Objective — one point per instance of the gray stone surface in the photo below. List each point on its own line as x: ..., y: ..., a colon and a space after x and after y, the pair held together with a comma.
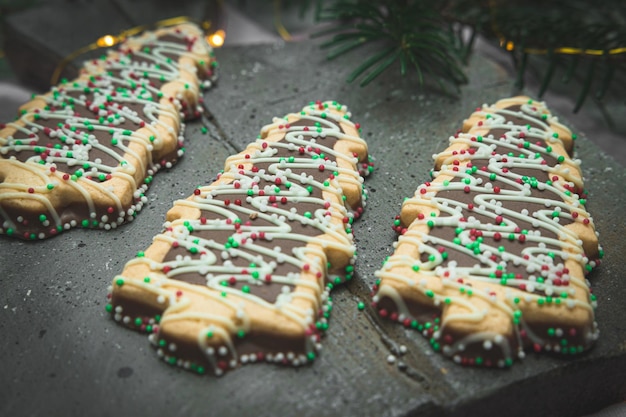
x: 63, y: 355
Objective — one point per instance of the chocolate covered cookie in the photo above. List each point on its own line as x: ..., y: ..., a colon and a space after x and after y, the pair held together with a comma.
x: 83, y: 154
x: 243, y: 268
x: 494, y: 251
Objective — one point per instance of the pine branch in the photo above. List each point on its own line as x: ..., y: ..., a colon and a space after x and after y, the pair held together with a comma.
x: 402, y: 32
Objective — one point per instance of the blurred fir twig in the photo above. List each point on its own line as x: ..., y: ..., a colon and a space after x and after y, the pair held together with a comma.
x: 412, y: 35
x: 585, y: 40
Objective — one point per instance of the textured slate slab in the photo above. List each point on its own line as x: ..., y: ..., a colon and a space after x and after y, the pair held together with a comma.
x: 62, y: 354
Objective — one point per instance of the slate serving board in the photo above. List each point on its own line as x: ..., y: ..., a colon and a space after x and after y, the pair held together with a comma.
x: 63, y: 355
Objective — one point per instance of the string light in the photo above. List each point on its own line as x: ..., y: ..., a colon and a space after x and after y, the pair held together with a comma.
x: 510, y: 46
x: 278, y: 24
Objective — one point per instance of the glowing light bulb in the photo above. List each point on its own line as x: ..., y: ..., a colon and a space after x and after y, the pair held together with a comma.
x: 106, y: 41
x: 217, y: 39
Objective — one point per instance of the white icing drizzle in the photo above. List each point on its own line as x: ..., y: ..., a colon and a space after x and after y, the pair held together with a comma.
x: 105, y: 91
x: 467, y: 295
x: 229, y: 243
